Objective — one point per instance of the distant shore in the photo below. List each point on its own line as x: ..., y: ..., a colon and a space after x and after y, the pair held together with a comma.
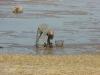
x: 50, y: 65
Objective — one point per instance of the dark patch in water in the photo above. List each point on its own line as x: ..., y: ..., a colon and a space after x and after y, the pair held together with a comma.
x: 1, y: 47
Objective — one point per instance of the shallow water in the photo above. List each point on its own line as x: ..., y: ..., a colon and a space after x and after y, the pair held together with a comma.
x: 74, y: 21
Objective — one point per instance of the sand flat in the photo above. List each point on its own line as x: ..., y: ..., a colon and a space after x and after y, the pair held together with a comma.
x: 50, y: 65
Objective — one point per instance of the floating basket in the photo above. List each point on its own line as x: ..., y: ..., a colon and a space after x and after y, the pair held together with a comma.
x: 59, y: 43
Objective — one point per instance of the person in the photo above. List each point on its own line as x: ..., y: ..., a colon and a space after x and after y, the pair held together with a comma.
x: 47, y: 31
x: 18, y: 9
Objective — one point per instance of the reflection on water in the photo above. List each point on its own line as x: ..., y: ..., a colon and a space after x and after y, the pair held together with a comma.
x: 76, y: 22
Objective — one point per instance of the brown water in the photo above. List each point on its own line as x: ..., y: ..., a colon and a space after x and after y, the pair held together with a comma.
x: 74, y: 21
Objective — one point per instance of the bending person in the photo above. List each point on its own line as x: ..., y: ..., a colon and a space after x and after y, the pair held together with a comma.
x: 46, y: 31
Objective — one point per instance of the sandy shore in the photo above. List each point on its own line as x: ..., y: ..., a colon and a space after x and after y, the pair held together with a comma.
x: 50, y: 65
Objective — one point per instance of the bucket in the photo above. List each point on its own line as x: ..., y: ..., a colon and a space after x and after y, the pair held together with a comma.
x: 59, y: 43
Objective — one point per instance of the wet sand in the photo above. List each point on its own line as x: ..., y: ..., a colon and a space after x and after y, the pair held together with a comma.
x: 50, y: 65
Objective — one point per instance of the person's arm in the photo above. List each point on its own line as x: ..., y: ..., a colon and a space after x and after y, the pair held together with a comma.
x: 38, y: 35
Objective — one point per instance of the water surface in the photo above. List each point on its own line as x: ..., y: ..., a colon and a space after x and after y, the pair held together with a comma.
x: 74, y: 21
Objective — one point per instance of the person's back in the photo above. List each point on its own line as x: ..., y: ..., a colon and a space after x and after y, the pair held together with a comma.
x: 46, y: 31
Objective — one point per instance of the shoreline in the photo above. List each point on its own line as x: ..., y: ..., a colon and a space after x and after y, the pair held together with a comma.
x: 85, y: 64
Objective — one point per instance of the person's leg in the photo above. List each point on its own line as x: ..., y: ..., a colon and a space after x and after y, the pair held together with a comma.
x: 48, y: 41
x: 50, y: 37
x: 38, y: 35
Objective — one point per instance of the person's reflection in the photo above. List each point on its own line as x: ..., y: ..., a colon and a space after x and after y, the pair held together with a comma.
x: 48, y: 52
x: 45, y: 51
